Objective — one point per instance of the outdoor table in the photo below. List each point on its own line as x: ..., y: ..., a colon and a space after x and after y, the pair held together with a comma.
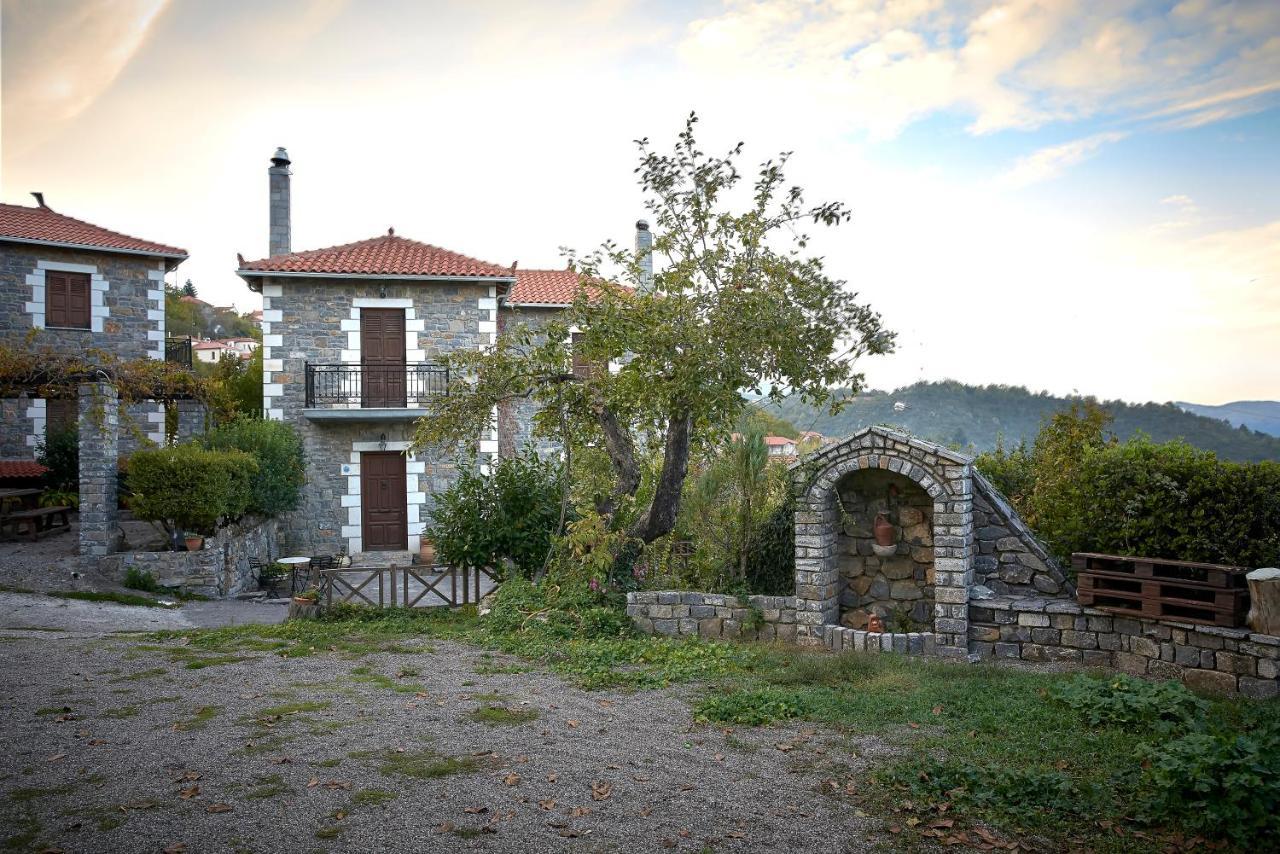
x: 18, y: 496
x: 294, y: 564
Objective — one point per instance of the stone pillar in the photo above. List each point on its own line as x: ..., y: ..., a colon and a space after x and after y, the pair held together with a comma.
x: 99, y: 454
x: 191, y: 419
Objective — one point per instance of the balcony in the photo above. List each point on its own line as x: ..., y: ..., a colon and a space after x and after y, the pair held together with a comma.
x: 178, y: 351
x: 347, y: 392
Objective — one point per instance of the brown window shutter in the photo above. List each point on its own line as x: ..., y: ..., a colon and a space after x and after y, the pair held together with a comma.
x: 581, y: 367
x: 66, y: 299
x: 60, y: 414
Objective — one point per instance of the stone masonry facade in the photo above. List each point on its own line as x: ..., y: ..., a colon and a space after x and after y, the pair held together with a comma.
x: 945, y: 476
x: 127, y: 319
x: 317, y: 321
x: 221, y: 568
x: 1008, y: 559
x: 713, y: 615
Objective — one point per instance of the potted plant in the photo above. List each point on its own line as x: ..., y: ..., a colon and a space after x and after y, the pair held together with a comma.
x: 305, y: 605
x: 427, y: 555
x: 195, y: 542
x: 310, y: 596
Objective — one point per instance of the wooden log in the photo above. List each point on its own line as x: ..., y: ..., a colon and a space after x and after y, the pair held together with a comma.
x: 1264, y: 595
x: 304, y: 610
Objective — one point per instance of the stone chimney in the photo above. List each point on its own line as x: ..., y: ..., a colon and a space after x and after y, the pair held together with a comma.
x: 278, y: 242
x: 644, y: 254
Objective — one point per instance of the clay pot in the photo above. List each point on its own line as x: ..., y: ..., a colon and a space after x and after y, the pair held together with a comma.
x: 885, y: 533
x: 875, y: 624
x: 195, y: 543
x: 427, y: 553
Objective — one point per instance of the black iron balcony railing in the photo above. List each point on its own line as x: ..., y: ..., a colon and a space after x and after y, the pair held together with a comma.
x: 375, y: 386
x: 178, y: 351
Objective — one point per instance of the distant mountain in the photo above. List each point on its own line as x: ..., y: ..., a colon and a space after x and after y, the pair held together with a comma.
x: 971, y: 417
x: 1260, y: 415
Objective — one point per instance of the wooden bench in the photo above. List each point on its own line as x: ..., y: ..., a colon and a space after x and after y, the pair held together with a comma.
x: 37, y: 522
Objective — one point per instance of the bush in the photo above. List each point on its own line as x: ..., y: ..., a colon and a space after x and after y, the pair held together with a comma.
x: 1127, y: 701
x: 562, y: 610
x: 510, y: 515
x: 1080, y: 490
x: 189, y: 488
x: 140, y: 579
x: 60, y: 453
x: 771, y: 566
x: 278, y: 450
x: 755, y: 707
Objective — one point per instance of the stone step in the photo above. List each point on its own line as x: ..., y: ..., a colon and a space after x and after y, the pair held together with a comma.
x: 398, y: 558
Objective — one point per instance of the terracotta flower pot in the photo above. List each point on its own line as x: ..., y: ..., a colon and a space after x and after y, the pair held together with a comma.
x: 427, y: 553
x: 195, y: 543
x: 875, y: 624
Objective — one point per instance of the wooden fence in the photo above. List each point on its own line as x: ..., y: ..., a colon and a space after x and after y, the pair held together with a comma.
x: 405, y: 587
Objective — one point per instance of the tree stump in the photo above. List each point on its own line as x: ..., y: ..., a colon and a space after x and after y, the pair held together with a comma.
x: 304, y: 609
x: 1264, y: 599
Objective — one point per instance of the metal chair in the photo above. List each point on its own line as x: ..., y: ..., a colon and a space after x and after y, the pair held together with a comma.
x: 266, y: 577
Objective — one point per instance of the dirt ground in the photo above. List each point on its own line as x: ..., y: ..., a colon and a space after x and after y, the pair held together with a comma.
x: 119, y: 743
x: 52, y: 563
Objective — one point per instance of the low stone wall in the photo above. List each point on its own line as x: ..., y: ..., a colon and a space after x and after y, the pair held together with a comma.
x: 713, y: 615
x: 221, y: 568
x: 1216, y: 659
x: 842, y: 639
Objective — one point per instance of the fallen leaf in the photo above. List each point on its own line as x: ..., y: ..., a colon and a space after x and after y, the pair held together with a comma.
x: 313, y: 782
x: 937, y: 710
x: 476, y: 810
x: 175, y: 848
x: 95, y: 742
x: 215, y: 808
x: 337, y: 784
x: 511, y: 779
x: 283, y: 760
x: 640, y: 778
x: 893, y: 828
x: 138, y: 805
x: 600, y: 790
x: 548, y: 804
x: 571, y: 724
x: 645, y: 812
x: 913, y: 725
x: 446, y: 827
x: 55, y: 757
x: 339, y: 815
x: 719, y: 757
x: 552, y: 777
x: 189, y: 793
x: 687, y: 787
x: 579, y: 812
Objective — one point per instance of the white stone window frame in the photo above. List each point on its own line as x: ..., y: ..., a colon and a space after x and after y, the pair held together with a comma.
x: 98, y: 288
x: 413, y: 351
x: 415, y: 497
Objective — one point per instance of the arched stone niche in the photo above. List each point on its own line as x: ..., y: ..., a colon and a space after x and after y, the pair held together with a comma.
x: 857, y: 466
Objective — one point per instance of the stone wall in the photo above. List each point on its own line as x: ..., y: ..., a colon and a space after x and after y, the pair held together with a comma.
x: 1224, y: 660
x: 221, y: 568
x: 713, y: 615
x: 895, y: 582
x: 515, y: 419
x: 128, y: 321
x: 1008, y: 559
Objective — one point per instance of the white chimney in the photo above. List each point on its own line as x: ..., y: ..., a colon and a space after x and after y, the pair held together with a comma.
x: 644, y: 254
x: 278, y: 237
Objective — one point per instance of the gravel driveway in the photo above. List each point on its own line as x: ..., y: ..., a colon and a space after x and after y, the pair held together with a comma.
x: 121, y: 744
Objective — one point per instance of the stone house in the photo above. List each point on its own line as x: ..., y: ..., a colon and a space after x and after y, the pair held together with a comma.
x: 352, y: 341
x: 71, y: 286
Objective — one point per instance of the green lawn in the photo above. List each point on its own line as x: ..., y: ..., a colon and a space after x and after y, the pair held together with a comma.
x: 1098, y: 762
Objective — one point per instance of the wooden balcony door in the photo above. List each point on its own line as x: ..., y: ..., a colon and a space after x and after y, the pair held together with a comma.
x: 384, y: 501
x: 382, y: 357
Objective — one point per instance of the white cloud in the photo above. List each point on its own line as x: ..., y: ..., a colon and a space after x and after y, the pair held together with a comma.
x: 1050, y: 162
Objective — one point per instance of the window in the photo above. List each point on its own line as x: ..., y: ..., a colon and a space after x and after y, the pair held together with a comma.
x: 581, y: 367
x: 66, y: 299
x: 61, y: 414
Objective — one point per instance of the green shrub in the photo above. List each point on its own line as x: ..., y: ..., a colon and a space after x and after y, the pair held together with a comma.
x: 60, y: 453
x: 1081, y: 490
x: 278, y: 450
x: 754, y: 707
x: 1126, y: 701
x: 509, y: 515
x: 771, y: 566
x: 562, y: 610
x: 1003, y: 790
x: 189, y: 488
x: 1220, y: 782
x: 140, y: 579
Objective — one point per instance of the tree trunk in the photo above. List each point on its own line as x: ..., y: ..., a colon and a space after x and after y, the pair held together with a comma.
x: 660, y: 518
x: 1264, y: 598
x: 622, y: 455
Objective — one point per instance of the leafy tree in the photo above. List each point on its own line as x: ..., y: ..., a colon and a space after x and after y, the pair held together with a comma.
x: 277, y: 448
x: 235, y: 386
x: 737, y: 305
x: 181, y: 318
x: 188, y: 289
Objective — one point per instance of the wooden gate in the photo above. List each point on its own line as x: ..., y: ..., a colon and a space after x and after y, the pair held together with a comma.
x: 405, y: 587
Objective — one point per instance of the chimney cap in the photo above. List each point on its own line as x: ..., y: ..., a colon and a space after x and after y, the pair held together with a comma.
x: 642, y: 225
x: 281, y: 157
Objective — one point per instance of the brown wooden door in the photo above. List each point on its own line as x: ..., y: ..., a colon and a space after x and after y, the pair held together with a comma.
x: 382, y: 356
x: 384, y: 501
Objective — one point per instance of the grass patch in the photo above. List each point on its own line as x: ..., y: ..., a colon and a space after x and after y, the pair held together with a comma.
x: 419, y: 764
x: 373, y: 797
x: 111, y: 596
x: 503, y: 716
x: 199, y: 720
x: 368, y: 676
x: 120, y: 712
x: 293, y: 708
x: 334, y: 762
x: 333, y: 831
x: 29, y: 794
x: 485, y: 669
x: 268, y: 786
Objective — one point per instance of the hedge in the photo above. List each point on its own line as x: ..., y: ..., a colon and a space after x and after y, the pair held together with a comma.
x: 278, y: 450
x: 189, y: 488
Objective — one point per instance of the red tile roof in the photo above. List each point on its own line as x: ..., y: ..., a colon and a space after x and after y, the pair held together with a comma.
x: 42, y: 225
x: 387, y: 255
x: 547, y: 287
x: 21, y: 468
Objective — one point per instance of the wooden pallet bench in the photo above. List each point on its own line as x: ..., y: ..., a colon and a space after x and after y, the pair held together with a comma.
x: 1192, y: 592
x: 38, y: 521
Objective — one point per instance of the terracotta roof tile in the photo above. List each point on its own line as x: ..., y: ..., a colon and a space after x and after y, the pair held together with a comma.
x: 43, y: 225
x: 547, y: 287
x: 388, y: 255
x: 21, y: 468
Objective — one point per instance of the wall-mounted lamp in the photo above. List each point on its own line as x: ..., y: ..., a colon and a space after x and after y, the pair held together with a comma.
x: 382, y: 291
x: 382, y: 442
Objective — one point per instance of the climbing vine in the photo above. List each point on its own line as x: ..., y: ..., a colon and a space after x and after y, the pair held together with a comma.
x: 44, y: 373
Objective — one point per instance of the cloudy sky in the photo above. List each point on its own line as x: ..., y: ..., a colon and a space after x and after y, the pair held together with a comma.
x: 1065, y: 195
